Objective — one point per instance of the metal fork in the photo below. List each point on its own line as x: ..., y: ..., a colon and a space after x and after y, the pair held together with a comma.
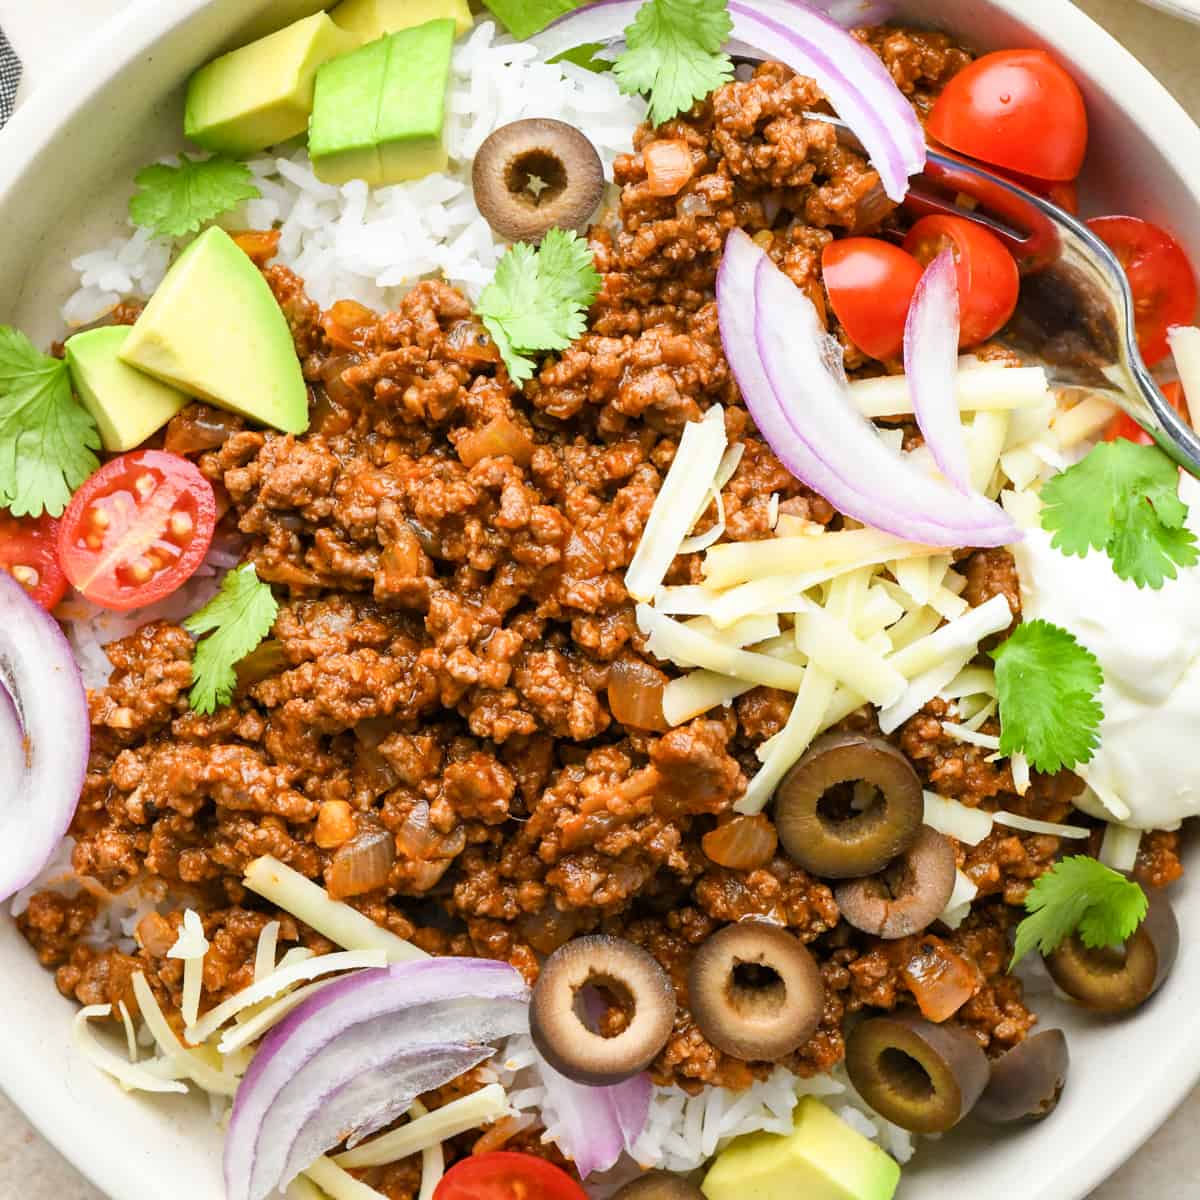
x: 1075, y: 311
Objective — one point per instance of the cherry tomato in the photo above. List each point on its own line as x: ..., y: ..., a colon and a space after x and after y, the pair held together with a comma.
x: 871, y: 285
x: 505, y: 1175
x: 1163, y: 283
x: 29, y: 553
x: 1017, y: 109
x: 1124, y: 427
x: 988, y: 282
x: 1063, y: 192
x: 137, y: 529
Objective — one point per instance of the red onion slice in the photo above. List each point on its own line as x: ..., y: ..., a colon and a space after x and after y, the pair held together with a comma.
x: 47, y: 730
x: 931, y: 364
x: 353, y: 1025
x: 855, y: 81
x: 790, y: 375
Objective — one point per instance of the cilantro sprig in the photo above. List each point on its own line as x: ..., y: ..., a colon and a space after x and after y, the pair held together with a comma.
x: 1122, y: 499
x: 1047, y: 683
x: 173, y: 201
x: 237, y: 618
x: 46, y: 436
x: 1079, y: 895
x: 674, y: 54
x: 538, y: 299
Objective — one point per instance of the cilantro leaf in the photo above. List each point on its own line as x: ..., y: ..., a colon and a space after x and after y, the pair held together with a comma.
x: 1122, y: 499
x: 46, y: 436
x: 1079, y: 895
x: 239, y: 616
x: 1047, y: 683
x: 586, y: 56
x: 538, y: 299
x: 674, y: 54
x: 174, y: 201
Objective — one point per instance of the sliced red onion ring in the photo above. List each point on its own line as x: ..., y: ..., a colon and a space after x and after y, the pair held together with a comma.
x: 594, y: 1126
x: 46, y: 730
x: 790, y: 375
x: 348, y: 1028
x: 931, y: 364
x: 855, y: 81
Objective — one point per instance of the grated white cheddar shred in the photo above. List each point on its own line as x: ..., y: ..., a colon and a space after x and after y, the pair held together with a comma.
x: 1082, y: 422
x: 826, y: 641
x: 922, y: 689
x: 433, y: 1158
x: 681, y: 500
x: 974, y: 681
x: 958, y: 637
x: 132, y: 1076
x: 191, y: 946
x: 338, y: 1184
x: 972, y: 737
x: 308, y: 902
x: 725, y: 472
x: 985, y: 443
x: 1119, y: 846
x: 1020, y: 773
x: 698, y: 692
x: 483, y: 1107
x: 130, y: 1035
x: 978, y: 387
x: 267, y: 1016
x: 1185, y: 348
x: 958, y: 907
x: 1049, y: 828
x: 746, y: 632
x: 957, y: 820
x: 264, y: 954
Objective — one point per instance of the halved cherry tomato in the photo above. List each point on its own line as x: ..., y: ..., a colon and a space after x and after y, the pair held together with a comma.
x: 1163, y: 283
x: 988, y: 282
x: 29, y: 553
x: 1124, y: 427
x: 871, y: 284
x: 1063, y: 192
x: 1017, y: 109
x: 505, y: 1175
x: 137, y: 529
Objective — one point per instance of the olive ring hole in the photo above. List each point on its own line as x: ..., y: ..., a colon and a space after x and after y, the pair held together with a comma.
x: 756, y: 990
x: 536, y: 177
x: 906, y: 1076
x: 850, y: 807
x: 604, y: 1006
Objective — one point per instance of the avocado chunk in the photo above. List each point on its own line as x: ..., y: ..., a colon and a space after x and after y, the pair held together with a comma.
x: 128, y: 406
x: 215, y: 331
x: 262, y: 94
x: 378, y: 114
x: 821, y: 1159
x: 524, y: 18
x: 372, y: 19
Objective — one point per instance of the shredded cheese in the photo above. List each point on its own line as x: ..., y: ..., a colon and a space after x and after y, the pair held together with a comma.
x: 746, y: 632
x: 1185, y: 348
x: 338, y: 1184
x: 483, y: 1107
x: 985, y: 442
x: 973, y: 681
x: 1025, y: 508
x: 964, y: 733
x: 978, y: 388
x: 130, y: 1075
x: 912, y: 577
x: 323, y: 964
x: 681, y: 499
x: 1019, y: 765
x: 191, y: 946
x: 914, y: 626
x: 958, y: 907
x: 1021, y: 466
x: 264, y: 955
x: 877, y: 612
x: 922, y: 689
x: 1119, y: 846
x: 826, y: 641
x: 696, y: 693
x: 958, y: 637
x: 1049, y: 828
x: 267, y: 1016
x: 340, y: 923
x: 957, y: 820
x: 303, y: 1188
x: 725, y: 472
x: 1082, y: 422
x: 130, y: 1036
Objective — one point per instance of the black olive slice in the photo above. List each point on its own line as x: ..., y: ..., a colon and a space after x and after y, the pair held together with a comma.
x: 625, y: 972
x: 1117, y: 979
x: 908, y: 895
x: 1026, y: 1083
x: 920, y: 1076
x: 659, y: 1185
x: 534, y: 175
x: 860, y: 843
x: 755, y: 991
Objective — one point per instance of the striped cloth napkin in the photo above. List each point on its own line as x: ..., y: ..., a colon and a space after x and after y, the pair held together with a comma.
x: 10, y: 76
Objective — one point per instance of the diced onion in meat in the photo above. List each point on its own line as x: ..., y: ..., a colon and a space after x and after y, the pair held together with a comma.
x: 743, y: 843
x: 363, y: 864
x: 1119, y: 847
x: 957, y: 820
x: 635, y: 693
x: 1049, y: 828
x: 129, y: 1075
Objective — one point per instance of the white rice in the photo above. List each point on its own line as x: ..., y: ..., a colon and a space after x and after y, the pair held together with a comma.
x: 356, y: 244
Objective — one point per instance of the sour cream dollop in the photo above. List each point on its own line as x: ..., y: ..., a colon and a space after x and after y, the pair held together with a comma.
x: 1146, y: 770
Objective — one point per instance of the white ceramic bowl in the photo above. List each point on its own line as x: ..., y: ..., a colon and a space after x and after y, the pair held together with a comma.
x: 66, y: 164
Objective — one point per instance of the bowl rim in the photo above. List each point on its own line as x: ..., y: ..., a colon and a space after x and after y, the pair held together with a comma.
x: 133, y: 33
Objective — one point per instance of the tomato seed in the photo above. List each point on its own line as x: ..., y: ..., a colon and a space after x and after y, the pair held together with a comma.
x: 180, y: 524
x: 144, y: 485
x: 26, y: 576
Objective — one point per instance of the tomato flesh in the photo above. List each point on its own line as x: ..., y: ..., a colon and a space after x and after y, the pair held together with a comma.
x: 29, y: 553
x: 871, y: 284
x: 988, y: 280
x: 1160, y: 277
x: 137, y: 529
x: 506, y: 1175
x: 1124, y: 428
x: 1016, y: 109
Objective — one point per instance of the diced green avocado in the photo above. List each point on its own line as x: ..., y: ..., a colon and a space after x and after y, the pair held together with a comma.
x: 524, y: 18
x: 215, y: 331
x: 377, y: 18
x: 822, y: 1159
x: 378, y: 114
x: 128, y: 405
x: 262, y: 94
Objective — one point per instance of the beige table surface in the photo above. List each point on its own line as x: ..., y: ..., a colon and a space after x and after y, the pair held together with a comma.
x: 1168, y: 1166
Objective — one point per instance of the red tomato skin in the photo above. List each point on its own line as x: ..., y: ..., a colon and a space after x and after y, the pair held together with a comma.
x: 988, y: 280
x: 871, y: 284
x: 95, y: 556
x: 29, y: 552
x: 1064, y: 193
x: 1125, y: 428
x: 1160, y: 276
x: 1017, y: 109
x: 507, y: 1175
